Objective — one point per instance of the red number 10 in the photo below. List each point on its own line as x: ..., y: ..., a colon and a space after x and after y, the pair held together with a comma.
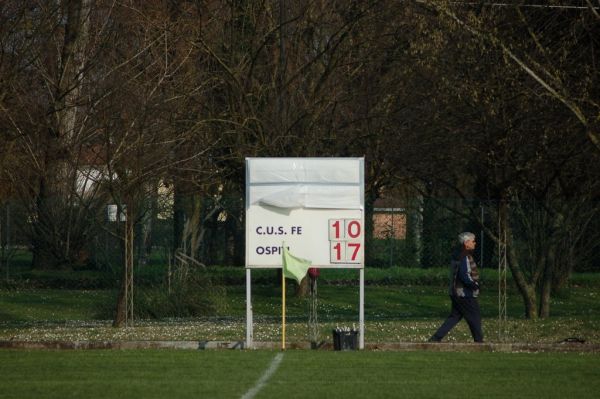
x: 342, y: 230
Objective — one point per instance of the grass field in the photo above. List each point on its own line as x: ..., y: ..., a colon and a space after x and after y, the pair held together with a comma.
x: 401, y: 304
x: 392, y: 313
x: 301, y: 374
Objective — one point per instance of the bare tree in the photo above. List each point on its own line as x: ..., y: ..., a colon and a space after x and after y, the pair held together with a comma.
x: 496, y: 134
x: 47, y: 114
x: 547, y: 58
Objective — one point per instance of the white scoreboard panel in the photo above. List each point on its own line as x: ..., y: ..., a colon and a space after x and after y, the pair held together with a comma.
x: 314, y: 205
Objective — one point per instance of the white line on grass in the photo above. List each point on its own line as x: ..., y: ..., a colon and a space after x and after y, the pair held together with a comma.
x: 265, y: 377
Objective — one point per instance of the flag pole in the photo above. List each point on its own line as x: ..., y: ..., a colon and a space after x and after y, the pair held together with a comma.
x: 282, y: 309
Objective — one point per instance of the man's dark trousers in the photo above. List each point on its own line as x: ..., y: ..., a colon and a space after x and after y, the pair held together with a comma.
x: 462, y: 307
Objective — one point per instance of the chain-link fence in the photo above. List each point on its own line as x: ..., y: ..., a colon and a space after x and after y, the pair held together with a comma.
x: 174, y: 238
x: 424, y: 235
x: 197, y: 230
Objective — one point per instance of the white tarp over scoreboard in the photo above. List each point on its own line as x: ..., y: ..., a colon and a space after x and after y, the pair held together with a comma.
x: 314, y: 205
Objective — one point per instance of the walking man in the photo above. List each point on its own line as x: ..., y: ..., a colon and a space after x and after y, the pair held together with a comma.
x: 463, y: 290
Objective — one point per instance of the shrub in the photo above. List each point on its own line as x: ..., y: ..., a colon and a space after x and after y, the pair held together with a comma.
x: 192, y: 296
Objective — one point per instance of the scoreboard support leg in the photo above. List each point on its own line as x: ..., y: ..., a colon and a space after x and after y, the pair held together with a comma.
x: 361, y: 311
x: 249, y: 325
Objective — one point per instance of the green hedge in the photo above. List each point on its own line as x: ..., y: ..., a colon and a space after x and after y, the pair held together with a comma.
x: 225, y: 275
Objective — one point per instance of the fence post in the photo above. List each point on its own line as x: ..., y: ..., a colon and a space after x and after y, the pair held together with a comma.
x: 5, y: 242
x: 502, y: 271
x: 481, y: 240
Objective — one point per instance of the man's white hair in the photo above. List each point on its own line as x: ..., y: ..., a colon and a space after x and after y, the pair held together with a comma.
x: 466, y: 236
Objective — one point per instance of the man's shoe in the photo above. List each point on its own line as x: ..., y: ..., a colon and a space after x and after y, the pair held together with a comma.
x: 434, y: 339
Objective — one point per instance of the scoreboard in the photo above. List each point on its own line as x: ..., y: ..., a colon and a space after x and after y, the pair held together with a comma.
x: 313, y: 205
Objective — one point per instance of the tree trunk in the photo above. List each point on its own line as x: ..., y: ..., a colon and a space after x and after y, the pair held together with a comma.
x: 148, y: 210
x: 526, y: 289
x: 45, y: 237
x: 119, y: 320
x: 529, y: 299
x: 303, y: 288
x: 127, y: 248
x: 545, y: 298
x: 195, y: 227
x: 120, y: 311
x: 547, y: 278
x: 178, y: 217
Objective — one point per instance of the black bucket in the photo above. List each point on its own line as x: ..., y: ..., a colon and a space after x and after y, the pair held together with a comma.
x: 345, y: 340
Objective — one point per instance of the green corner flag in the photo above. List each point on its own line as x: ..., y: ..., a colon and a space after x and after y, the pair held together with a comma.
x: 294, y: 267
